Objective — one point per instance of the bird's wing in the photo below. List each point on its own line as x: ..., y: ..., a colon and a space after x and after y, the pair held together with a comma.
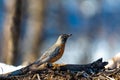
x: 51, y: 52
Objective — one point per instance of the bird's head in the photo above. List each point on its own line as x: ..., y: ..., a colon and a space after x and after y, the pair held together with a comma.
x: 63, y: 38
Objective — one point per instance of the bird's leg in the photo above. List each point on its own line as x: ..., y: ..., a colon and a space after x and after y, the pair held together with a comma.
x: 57, y: 66
x: 49, y: 65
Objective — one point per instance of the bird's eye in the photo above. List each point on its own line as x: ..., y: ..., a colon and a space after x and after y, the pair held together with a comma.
x: 64, y: 36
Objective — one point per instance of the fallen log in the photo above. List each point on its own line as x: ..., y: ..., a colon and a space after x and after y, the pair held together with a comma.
x: 48, y: 70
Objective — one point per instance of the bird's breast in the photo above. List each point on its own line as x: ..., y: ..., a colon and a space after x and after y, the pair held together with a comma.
x: 59, y: 54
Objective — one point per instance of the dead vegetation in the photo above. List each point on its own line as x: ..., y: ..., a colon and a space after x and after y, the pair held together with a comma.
x: 48, y: 71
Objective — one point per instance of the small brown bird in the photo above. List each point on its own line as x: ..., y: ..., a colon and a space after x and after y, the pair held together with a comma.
x: 55, y: 52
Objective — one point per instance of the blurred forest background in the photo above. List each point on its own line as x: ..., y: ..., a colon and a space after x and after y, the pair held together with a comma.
x: 29, y: 27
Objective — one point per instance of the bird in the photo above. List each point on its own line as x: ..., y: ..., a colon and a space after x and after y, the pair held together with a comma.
x: 55, y: 52
x: 51, y: 55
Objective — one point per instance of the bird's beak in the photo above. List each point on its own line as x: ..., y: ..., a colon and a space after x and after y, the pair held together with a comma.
x: 69, y: 35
